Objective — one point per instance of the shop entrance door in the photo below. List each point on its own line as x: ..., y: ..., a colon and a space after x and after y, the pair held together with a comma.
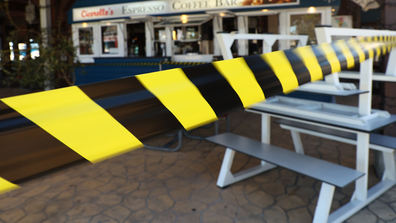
x: 136, y: 39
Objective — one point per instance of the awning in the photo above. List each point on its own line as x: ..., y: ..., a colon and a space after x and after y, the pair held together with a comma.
x: 263, y: 12
x: 184, y: 20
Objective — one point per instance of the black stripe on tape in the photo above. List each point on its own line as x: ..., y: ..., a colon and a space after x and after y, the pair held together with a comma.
x: 266, y: 78
x: 300, y: 70
x: 323, y: 62
x: 214, y: 88
x: 355, y: 54
x: 340, y: 55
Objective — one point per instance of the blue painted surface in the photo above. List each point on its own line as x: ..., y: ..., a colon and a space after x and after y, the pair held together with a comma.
x: 130, y: 60
x: 310, y: 96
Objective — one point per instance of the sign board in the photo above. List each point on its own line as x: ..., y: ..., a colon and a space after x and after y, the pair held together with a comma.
x: 342, y: 21
x: 169, y: 6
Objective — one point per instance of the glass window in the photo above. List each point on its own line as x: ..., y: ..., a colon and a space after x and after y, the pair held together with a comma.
x: 160, y: 34
x: 186, y: 40
x: 192, y: 32
x: 12, y: 55
x: 22, y: 50
x: 256, y: 25
x: 85, y: 36
x: 304, y: 24
x: 34, y: 50
x: 136, y: 39
x: 109, y: 40
x: 229, y: 25
x: 206, y: 46
x: 160, y: 42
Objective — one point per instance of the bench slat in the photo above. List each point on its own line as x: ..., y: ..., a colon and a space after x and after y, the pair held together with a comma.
x: 375, y: 139
x: 322, y: 170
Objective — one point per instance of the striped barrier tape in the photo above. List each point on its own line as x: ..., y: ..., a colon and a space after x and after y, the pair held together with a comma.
x: 146, y: 63
x: 44, y: 130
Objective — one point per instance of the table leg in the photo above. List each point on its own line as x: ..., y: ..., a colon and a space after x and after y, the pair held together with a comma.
x: 226, y: 177
x: 389, y: 166
x: 265, y: 130
x: 324, y: 203
x: 297, y: 142
x: 362, y: 164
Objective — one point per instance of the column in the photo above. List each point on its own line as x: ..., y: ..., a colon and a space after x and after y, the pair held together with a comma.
x: 45, y: 23
x: 169, y: 41
x: 217, y: 27
x: 283, y: 29
x: 243, y: 48
x: 149, y: 31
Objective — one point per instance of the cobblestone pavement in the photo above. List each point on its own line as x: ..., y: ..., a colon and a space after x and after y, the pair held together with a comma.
x: 153, y: 186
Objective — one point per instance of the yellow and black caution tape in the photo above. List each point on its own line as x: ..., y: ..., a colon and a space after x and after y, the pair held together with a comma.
x: 44, y: 130
x: 146, y: 63
x: 183, y: 63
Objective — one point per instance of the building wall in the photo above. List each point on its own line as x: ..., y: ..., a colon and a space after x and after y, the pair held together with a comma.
x: 303, y: 3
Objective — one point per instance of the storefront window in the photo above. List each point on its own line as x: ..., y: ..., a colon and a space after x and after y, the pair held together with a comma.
x: 109, y: 40
x: 206, y: 46
x: 186, y: 39
x: 304, y: 24
x: 136, y: 40
x: 34, y: 50
x: 229, y: 25
x: 85, y: 36
x: 160, y: 34
x: 160, y: 42
x: 256, y: 25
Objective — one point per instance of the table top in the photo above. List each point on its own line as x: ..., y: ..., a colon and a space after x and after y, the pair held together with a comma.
x: 371, y: 125
x: 343, y: 93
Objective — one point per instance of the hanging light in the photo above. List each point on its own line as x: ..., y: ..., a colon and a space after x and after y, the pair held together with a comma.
x: 311, y: 9
x: 183, y: 18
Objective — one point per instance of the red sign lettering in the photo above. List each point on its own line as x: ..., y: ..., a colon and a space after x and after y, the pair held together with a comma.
x: 101, y: 12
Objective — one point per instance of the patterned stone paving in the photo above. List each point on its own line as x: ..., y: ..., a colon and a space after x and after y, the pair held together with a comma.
x: 153, y: 186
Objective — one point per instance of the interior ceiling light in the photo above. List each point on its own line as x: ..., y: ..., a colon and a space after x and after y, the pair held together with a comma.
x: 183, y: 18
x: 311, y: 9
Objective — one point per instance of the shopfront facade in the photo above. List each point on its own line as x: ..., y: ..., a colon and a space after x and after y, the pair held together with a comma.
x: 183, y: 30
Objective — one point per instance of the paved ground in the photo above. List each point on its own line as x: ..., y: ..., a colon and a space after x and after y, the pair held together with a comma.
x: 153, y: 186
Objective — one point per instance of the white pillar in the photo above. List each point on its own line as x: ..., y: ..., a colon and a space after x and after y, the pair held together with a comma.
x: 45, y: 23
x: 45, y: 18
x: 217, y: 27
x: 169, y: 41
x: 284, y: 29
x: 149, y: 30
x: 243, y: 47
